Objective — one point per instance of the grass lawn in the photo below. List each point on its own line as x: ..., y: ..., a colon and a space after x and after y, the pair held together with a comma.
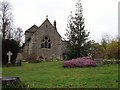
x: 53, y: 75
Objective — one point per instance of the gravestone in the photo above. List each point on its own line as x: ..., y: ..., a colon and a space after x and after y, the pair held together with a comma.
x: 19, y: 59
x: 9, y: 56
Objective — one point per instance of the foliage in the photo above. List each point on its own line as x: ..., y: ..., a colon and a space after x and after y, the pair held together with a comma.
x: 112, y: 50
x: 53, y: 75
x: 77, y: 44
x: 9, y: 45
x: 80, y: 62
x: 97, y: 51
x: 111, y: 47
x: 107, y: 49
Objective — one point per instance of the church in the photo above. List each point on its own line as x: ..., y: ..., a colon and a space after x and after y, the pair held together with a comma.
x: 43, y: 42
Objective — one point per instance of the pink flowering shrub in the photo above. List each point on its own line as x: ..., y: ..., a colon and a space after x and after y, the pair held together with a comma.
x: 80, y: 62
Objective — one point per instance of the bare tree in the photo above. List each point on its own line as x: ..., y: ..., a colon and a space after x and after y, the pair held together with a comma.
x: 6, y: 19
x: 106, y: 39
x: 18, y: 35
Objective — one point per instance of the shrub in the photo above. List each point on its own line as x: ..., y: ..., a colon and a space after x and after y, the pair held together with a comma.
x: 9, y: 45
x: 80, y: 62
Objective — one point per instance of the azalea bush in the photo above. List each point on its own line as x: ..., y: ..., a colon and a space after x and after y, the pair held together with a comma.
x: 80, y: 62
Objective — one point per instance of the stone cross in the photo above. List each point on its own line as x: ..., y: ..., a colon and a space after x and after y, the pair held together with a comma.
x: 9, y: 56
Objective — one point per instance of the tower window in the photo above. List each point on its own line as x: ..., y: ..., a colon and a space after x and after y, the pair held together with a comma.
x: 46, y: 43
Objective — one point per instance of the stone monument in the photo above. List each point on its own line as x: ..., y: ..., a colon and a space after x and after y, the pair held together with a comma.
x: 9, y: 56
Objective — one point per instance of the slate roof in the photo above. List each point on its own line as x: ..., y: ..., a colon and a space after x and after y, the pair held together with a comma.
x: 32, y: 29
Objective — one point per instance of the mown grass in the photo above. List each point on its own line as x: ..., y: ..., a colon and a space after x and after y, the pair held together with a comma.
x: 53, y: 75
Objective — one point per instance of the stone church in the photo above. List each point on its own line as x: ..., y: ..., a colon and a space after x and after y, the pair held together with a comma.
x: 43, y: 42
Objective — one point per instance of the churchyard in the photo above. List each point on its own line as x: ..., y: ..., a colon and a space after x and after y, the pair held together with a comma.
x: 54, y: 75
x: 52, y: 61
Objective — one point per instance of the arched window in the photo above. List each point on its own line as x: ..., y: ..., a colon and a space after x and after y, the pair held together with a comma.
x: 46, y: 43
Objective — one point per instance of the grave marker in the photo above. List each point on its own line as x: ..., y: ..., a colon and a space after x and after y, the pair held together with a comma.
x: 9, y: 56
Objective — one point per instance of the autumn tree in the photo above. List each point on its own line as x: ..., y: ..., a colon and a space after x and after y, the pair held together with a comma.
x: 6, y: 19
x: 78, y: 44
x: 112, y: 50
x: 110, y: 46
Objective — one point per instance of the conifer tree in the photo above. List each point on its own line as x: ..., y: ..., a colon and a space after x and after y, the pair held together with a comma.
x: 77, y: 44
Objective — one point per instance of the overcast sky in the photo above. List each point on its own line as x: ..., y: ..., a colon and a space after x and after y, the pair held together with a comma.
x: 101, y: 16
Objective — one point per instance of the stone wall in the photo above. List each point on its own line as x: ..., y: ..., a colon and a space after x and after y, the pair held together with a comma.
x: 34, y: 46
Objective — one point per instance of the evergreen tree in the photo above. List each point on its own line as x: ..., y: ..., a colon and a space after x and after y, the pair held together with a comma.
x: 9, y: 45
x: 78, y: 44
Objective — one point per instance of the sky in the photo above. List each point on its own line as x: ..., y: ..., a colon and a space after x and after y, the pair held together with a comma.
x: 101, y: 16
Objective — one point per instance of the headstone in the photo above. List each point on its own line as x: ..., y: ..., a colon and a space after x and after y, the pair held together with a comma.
x: 19, y: 58
x: 9, y: 56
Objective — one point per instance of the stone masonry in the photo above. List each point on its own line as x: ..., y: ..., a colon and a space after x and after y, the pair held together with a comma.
x: 43, y: 42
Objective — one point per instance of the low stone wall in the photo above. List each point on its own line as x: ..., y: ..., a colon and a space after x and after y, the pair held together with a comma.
x: 106, y: 61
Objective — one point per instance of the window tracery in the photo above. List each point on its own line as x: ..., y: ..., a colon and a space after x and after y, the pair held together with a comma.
x: 46, y: 43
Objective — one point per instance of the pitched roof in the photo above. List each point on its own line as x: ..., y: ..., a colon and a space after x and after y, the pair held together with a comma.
x: 32, y: 29
x: 50, y: 24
